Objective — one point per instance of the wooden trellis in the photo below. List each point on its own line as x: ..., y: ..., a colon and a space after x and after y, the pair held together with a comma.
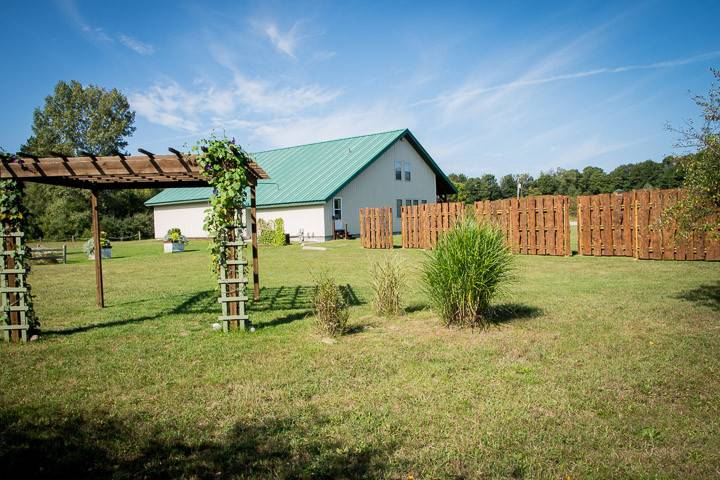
x: 233, y: 283
x: 13, y: 287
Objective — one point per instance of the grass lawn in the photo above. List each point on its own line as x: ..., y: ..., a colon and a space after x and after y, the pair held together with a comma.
x: 603, y: 367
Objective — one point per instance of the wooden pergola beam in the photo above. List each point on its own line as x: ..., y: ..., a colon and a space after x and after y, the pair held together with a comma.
x: 116, y: 169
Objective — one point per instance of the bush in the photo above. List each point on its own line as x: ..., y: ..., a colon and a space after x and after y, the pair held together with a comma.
x: 468, y: 267
x: 387, y: 283
x: 271, y: 232
x: 331, y: 307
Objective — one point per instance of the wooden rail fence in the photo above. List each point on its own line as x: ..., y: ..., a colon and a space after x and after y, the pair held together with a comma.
x: 538, y: 225
x: 423, y: 224
x: 627, y: 224
x: 376, y: 227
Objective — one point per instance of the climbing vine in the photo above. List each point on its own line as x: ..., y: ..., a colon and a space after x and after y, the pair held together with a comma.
x: 223, y: 164
x: 13, y: 218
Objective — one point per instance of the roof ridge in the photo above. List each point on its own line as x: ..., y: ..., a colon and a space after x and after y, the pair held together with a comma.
x: 329, y: 141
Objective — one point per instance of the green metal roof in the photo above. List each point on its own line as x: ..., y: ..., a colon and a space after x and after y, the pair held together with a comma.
x: 313, y: 173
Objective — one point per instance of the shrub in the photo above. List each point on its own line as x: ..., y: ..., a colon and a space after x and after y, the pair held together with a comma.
x: 89, y: 246
x: 271, y: 232
x: 175, y: 235
x: 330, y: 305
x: 387, y: 284
x: 468, y: 267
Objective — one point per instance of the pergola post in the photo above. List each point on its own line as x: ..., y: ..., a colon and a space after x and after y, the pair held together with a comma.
x: 253, y: 225
x: 99, y: 291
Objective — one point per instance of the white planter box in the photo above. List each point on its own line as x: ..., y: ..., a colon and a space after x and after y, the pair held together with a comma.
x: 106, y: 253
x: 171, y: 247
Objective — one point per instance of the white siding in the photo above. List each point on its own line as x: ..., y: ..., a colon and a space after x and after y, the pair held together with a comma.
x: 188, y: 217
x: 309, y: 219
x: 376, y: 187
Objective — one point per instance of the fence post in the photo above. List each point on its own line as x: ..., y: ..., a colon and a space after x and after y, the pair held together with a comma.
x: 636, y: 253
x: 64, y: 254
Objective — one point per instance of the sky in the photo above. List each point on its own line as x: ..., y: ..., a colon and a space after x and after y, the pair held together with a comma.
x: 487, y: 87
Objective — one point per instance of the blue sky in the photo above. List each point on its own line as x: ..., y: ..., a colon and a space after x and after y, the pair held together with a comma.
x: 499, y: 88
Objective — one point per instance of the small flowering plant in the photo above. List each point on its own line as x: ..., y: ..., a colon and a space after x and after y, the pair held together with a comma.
x: 174, y: 235
x: 223, y: 164
x: 89, y: 246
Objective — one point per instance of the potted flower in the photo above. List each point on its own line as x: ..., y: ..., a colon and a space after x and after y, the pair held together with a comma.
x: 105, y: 247
x: 175, y: 241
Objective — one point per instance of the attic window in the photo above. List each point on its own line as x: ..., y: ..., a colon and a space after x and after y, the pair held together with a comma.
x: 407, y: 171
x: 398, y: 170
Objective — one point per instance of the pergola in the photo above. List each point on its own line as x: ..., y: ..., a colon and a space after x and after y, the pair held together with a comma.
x: 148, y: 170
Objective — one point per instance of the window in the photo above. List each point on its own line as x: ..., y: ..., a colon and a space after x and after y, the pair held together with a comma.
x: 415, y: 202
x: 408, y: 203
x: 407, y: 171
x: 337, y: 207
x: 398, y: 170
x: 399, y: 208
x: 423, y: 202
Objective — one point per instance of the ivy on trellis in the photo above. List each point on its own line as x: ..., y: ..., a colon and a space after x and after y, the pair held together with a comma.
x: 224, y: 165
x: 16, y: 313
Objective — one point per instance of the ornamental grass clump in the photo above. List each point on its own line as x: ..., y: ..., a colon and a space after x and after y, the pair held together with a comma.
x: 467, y: 268
x: 330, y: 306
x: 388, y: 282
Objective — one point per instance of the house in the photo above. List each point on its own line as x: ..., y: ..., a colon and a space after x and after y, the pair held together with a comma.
x: 310, y: 185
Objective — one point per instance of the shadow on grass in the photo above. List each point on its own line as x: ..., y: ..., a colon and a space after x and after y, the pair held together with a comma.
x: 201, y: 302
x: 508, y: 312
x: 283, y: 298
x: 416, y: 307
x: 289, y: 318
x: 297, y: 297
x: 704, y: 295
x: 57, y: 445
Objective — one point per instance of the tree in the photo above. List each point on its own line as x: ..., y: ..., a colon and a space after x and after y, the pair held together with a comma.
x: 508, y: 186
x: 78, y: 120
x: 699, y: 211
x: 594, y: 180
x: 547, y: 183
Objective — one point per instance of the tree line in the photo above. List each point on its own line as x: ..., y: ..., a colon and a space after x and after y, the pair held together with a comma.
x: 591, y: 180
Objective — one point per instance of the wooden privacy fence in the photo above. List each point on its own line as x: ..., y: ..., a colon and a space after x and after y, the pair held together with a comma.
x: 538, y: 225
x: 423, y: 224
x: 627, y: 224
x: 376, y: 227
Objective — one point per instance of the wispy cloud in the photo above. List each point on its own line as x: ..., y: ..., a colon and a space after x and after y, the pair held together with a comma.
x: 173, y: 106
x: 323, y: 55
x: 285, y: 42
x: 465, y: 93
x: 96, y: 32
x: 136, y: 45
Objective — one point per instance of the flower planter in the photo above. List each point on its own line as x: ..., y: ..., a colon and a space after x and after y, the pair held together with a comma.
x: 173, y: 247
x: 106, y: 253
